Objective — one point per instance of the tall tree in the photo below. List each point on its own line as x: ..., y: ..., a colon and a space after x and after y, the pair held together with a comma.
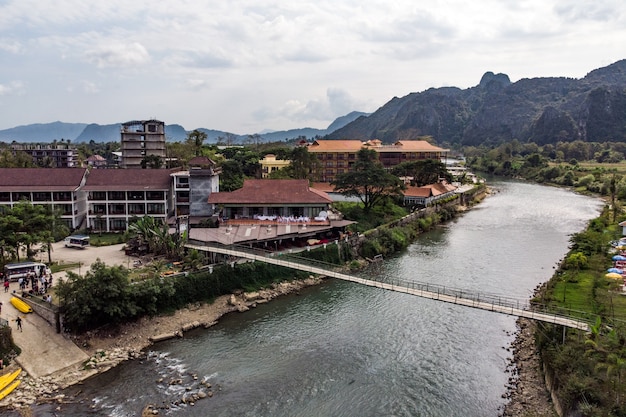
x: 368, y: 180
x: 195, y: 139
x: 152, y: 162
x: 425, y: 172
x: 302, y: 163
x: 232, y: 176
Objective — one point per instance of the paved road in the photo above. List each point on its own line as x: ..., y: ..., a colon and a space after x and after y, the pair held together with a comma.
x: 44, y: 351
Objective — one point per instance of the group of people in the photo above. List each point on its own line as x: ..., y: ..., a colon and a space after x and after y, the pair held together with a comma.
x: 38, y: 284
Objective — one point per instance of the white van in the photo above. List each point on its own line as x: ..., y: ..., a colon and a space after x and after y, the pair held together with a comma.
x: 77, y: 241
x: 13, y: 272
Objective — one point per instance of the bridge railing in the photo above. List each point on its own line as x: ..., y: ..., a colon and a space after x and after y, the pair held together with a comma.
x: 286, y: 255
x: 475, y: 297
x: 496, y: 300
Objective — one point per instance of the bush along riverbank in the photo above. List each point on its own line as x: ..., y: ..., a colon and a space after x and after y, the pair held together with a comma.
x: 586, y: 372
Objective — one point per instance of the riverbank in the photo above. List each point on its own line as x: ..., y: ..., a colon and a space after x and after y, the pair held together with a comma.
x: 527, y: 391
x: 107, y: 349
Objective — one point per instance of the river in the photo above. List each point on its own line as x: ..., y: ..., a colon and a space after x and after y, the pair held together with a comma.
x: 340, y: 349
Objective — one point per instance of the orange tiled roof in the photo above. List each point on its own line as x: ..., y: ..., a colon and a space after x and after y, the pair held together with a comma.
x: 271, y: 192
x: 355, y: 145
x: 335, y: 146
x: 418, y: 192
x: 419, y: 146
x: 430, y: 190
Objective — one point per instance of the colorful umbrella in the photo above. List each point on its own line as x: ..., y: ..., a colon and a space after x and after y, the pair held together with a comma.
x: 613, y: 275
x: 619, y: 258
x: 616, y: 270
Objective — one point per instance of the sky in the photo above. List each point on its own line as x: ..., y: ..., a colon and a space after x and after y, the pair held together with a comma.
x: 246, y: 66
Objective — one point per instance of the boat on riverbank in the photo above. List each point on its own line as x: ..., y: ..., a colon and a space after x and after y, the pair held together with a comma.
x: 6, y: 379
x: 9, y: 389
x: 21, y: 305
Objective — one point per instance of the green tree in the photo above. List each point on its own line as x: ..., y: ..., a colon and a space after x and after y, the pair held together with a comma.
x: 195, y: 139
x: 368, y: 181
x: 302, y: 163
x: 105, y: 296
x: 100, y: 297
x: 425, y: 172
x: 15, y: 159
x: 232, y: 176
x: 152, y: 162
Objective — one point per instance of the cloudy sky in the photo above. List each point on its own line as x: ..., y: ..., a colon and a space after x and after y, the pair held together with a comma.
x: 246, y: 66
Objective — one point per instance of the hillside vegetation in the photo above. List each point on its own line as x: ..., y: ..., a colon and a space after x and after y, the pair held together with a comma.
x: 538, y: 110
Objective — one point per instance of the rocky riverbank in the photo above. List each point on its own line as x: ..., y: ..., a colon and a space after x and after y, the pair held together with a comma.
x: 109, y: 348
x: 527, y: 392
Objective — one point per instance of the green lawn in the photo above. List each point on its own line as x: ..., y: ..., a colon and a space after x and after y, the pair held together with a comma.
x: 106, y: 239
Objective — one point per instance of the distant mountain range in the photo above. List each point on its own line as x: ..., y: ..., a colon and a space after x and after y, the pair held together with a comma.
x: 540, y: 110
x: 83, y: 132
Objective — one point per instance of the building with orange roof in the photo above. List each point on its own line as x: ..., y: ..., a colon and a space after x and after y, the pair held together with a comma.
x: 428, y: 194
x: 338, y: 156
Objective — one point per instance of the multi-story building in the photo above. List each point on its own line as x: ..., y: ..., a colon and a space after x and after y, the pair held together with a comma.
x: 192, y: 188
x: 338, y: 156
x: 57, y: 188
x: 116, y: 196
x: 142, y: 138
x: 56, y: 155
x: 270, y: 164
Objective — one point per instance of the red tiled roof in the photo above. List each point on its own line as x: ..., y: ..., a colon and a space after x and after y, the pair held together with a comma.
x: 323, y: 186
x: 200, y: 161
x: 418, y: 192
x: 430, y: 190
x: 128, y: 179
x: 40, y: 179
x: 272, y: 192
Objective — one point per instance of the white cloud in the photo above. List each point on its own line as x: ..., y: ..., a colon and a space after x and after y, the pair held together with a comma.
x: 89, y: 87
x: 118, y: 55
x: 246, y: 64
x: 11, y: 88
x: 12, y: 46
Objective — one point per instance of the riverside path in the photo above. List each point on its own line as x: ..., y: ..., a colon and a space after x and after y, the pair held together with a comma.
x: 490, y: 302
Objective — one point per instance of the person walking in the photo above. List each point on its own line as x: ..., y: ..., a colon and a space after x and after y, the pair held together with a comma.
x: 6, y: 285
x: 18, y: 320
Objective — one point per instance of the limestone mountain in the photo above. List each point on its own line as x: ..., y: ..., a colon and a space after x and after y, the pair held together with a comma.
x: 541, y: 110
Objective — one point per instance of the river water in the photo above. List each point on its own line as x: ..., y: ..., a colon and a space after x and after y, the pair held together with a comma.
x: 340, y: 349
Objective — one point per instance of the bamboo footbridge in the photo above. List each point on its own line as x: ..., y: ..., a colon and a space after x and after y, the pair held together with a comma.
x: 490, y: 302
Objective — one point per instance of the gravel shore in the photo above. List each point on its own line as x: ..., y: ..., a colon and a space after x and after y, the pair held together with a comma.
x: 527, y: 392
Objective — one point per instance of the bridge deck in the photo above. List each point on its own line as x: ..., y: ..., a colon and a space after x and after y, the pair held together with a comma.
x: 465, y: 298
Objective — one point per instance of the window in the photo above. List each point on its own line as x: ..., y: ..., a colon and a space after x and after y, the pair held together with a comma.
x: 156, y: 208
x: 182, y: 196
x: 136, y: 195
x: 118, y: 224
x: 62, y: 196
x: 65, y: 209
x: 98, y: 209
x: 40, y: 196
x: 155, y: 195
x: 136, y: 208
x: 117, y: 195
x: 117, y: 209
